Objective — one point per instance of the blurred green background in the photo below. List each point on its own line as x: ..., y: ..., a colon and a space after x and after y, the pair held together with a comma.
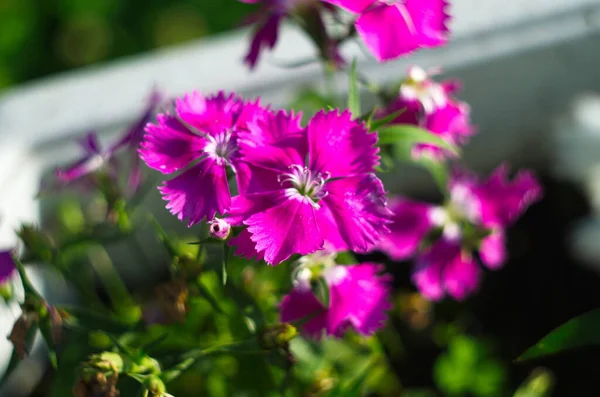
x: 42, y: 37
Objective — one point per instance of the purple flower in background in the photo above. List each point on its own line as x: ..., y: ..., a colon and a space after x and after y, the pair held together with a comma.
x: 431, y: 106
x: 268, y: 20
x: 392, y: 28
x: 411, y: 223
x: 7, y: 266
x: 446, y: 268
x: 309, y: 187
x: 358, y: 299
x: 497, y: 201
x: 95, y: 157
x: 200, y: 137
x: 474, y: 218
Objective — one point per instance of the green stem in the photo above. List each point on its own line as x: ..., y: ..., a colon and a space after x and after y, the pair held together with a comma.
x: 27, y: 285
x: 115, y: 287
x: 190, y: 358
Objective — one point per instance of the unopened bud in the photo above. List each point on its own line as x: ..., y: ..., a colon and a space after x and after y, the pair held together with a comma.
x: 19, y: 333
x: 220, y: 228
x: 156, y: 387
x: 173, y: 300
x: 278, y: 336
x: 6, y: 291
x: 106, y: 362
x: 96, y: 385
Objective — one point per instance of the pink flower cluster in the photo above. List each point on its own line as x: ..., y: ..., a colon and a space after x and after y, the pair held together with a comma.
x: 358, y: 299
x: 389, y: 28
x: 442, y: 239
x: 430, y: 105
x: 299, y: 188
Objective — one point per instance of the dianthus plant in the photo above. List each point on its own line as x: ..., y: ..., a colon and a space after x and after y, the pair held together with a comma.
x: 276, y: 274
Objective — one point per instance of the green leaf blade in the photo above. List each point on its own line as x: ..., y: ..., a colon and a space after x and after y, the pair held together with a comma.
x: 353, y: 94
x: 578, y: 332
x: 408, y: 135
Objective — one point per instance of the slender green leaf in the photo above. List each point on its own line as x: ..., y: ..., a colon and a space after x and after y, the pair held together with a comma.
x: 208, y: 240
x: 353, y: 94
x: 375, y: 124
x: 407, y: 135
x: 438, y: 171
x: 580, y: 331
x: 46, y: 331
x: 27, y: 285
x: 225, y: 262
x: 84, y: 318
x: 163, y: 237
x: 321, y: 291
x: 204, y: 291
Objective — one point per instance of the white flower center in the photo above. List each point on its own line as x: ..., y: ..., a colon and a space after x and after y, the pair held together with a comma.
x: 304, y: 184
x: 418, y: 86
x: 221, y: 147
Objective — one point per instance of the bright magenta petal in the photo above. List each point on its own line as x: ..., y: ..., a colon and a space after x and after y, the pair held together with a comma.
x: 340, y: 146
x: 492, y: 250
x: 245, y: 247
x: 355, y: 6
x: 286, y: 229
x: 502, y: 201
x: 390, y: 31
x: 169, y: 146
x: 429, y: 268
x: 264, y: 37
x: 299, y: 304
x: 359, y: 298
x: 461, y: 276
x: 429, y: 18
x: 358, y: 208
x: 209, y: 115
x: 198, y: 193
x: 411, y: 223
x: 274, y: 142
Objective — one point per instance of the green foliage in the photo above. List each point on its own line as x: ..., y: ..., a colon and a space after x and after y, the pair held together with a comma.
x: 539, y: 384
x: 468, y: 368
x: 38, y: 38
x: 580, y: 331
x: 353, y: 93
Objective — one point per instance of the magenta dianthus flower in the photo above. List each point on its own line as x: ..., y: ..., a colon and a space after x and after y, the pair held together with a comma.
x: 392, y: 28
x: 358, y: 299
x: 431, y: 106
x: 309, y: 187
x: 7, y: 266
x: 199, y: 137
x: 446, y: 268
x: 442, y: 238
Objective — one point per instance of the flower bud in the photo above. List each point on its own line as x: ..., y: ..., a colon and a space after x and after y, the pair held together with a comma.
x: 219, y: 228
x: 156, y: 387
x: 106, y: 361
x: 96, y: 385
x: 20, y: 331
x: 277, y: 336
x: 6, y: 291
x: 172, y: 301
